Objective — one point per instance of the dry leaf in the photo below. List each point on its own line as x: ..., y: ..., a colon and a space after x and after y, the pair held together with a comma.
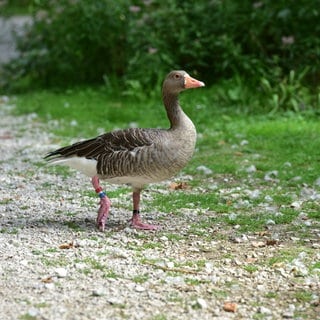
x: 271, y: 242
x: 47, y: 280
x: 262, y: 233
x: 66, y: 245
x: 230, y: 307
x: 179, y: 186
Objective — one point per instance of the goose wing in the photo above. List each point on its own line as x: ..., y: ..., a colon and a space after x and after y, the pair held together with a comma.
x: 117, y: 153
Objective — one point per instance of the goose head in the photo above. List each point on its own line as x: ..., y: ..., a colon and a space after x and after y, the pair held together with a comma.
x: 179, y: 80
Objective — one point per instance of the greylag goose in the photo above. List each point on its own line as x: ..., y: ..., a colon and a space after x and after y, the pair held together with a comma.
x: 136, y: 157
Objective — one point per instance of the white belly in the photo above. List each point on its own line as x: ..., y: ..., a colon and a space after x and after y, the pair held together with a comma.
x: 86, y: 166
x: 89, y: 168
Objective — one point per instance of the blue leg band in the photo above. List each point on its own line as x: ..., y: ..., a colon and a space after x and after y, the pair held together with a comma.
x: 101, y: 194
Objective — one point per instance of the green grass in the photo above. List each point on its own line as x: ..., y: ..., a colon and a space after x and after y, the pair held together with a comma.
x: 142, y: 278
x: 229, y: 143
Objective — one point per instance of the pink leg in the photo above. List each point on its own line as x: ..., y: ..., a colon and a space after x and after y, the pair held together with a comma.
x: 136, y: 219
x: 105, y: 204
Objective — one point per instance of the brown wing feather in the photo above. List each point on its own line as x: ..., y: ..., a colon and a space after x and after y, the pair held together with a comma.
x: 111, y: 142
x: 113, y: 150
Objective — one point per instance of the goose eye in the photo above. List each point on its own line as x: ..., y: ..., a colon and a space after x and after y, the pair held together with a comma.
x: 177, y: 76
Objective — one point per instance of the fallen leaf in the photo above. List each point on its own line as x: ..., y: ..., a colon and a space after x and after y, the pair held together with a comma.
x: 47, y: 280
x: 262, y: 233
x: 230, y: 307
x: 179, y: 186
x: 271, y: 242
x: 66, y: 245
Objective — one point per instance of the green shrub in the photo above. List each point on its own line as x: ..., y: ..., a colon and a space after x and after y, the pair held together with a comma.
x: 73, y: 42
x: 91, y: 41
x: 287, y: 94
x: 11, y: 7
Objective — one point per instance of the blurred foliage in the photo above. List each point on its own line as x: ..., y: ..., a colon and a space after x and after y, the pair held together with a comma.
x: 265, y: 43
x: 72, y: 42
x: 11, y: 7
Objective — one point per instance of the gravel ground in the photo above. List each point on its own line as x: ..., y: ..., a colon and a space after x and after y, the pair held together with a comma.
x: 56, y: 265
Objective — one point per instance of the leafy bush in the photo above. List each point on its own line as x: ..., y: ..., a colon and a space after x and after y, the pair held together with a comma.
x: 73, y: 42
x: 288, y: 94
x: 86, y: 41
x: 11, y: 7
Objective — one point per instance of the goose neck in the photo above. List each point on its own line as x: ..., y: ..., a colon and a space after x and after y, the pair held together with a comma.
x: 173, y: 108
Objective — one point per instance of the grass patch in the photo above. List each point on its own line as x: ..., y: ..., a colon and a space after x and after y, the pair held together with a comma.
x: 73, y: 226
x: 140, y: 278
x: 177, y: 200
x: 152, y: 245
x: 111, y: 274
x: 316, y: 265
x: 6, y: 201
x: 9, y: 230
x: 94, y: 264
x: 250, y: 268
x: 272, y: 295
x: 159, y: 317
x: 303, y: 296
x: 27, y: 317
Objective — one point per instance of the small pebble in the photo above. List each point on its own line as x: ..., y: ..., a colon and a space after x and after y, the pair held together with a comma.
x: 49, y: 286
x: 174, y: 280
x: 205, y: 170
x: 289, y: 313
x: 115, y: 301
x: 315, y: 246
x: 251, y: 169
x: 33, y: 312
x: 244, y: 142
x: 139, y: 288
x: 202, y: 303
x: 271, y: 175
x: 61, y: 272
x: 268, y: 199
x: 99, y: 292
x: 270, y: 222
x: 317, y: 182
x: 264, y: 310
x: 232, y: 216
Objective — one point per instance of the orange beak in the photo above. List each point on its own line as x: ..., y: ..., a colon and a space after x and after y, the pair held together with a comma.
x: 192, y: 83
